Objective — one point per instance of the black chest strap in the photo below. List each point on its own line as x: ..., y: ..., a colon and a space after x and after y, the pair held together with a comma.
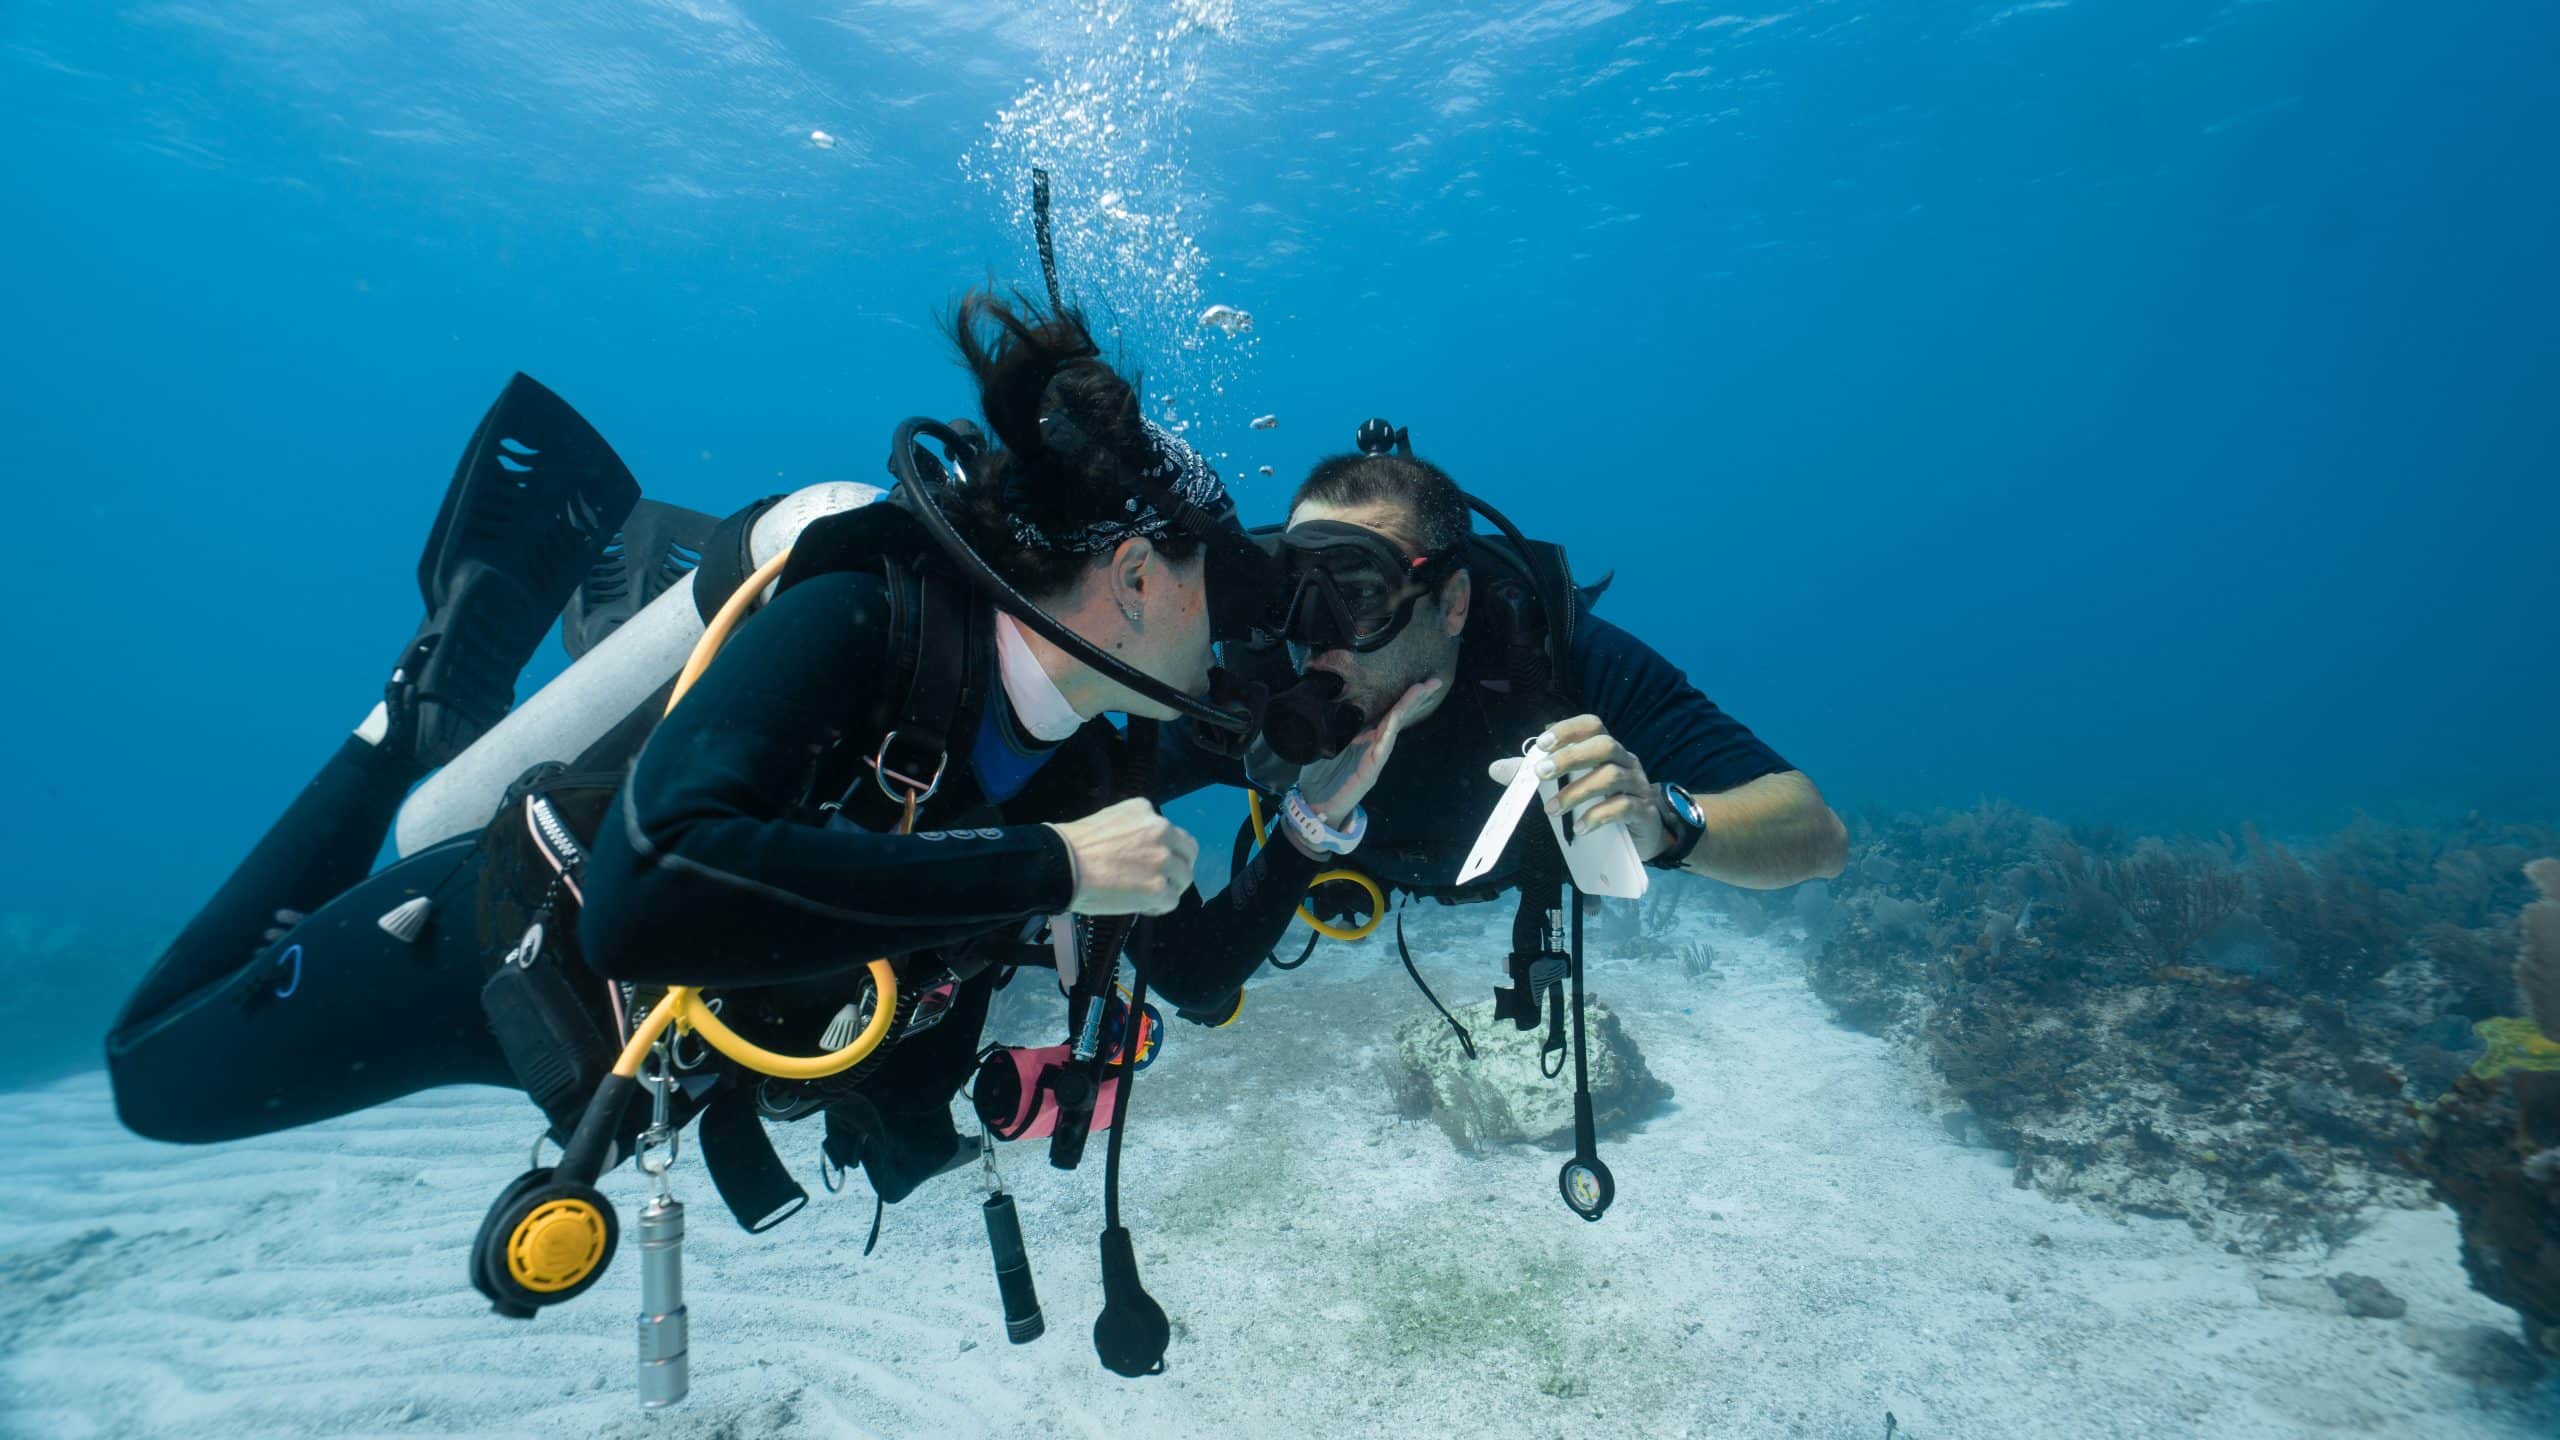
x: 940, y: 638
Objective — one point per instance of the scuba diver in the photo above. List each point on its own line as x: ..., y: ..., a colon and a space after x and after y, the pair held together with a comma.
x: 1489, y: 658
x: 1403, y: 609
x: 897, y: 785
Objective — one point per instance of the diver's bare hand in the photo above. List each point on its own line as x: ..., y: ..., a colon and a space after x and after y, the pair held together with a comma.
x: 1129, y: 860
x: 1335, y: 787
x: 1601, y: 770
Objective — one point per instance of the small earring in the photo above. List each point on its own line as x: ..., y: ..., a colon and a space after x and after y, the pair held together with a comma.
x: 1130, y: 615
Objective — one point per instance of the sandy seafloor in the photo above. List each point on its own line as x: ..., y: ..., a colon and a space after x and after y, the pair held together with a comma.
x: 1797, y: 1248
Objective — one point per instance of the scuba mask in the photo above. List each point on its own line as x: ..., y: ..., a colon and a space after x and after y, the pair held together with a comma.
x: 1329, y: 586
x: 1351, y: 588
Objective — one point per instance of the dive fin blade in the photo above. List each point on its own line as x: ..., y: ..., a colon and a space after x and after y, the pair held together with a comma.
x: 537, y: 497
x: 657, y: 547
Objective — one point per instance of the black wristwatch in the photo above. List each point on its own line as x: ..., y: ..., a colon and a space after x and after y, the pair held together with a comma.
x: 1683, y: 821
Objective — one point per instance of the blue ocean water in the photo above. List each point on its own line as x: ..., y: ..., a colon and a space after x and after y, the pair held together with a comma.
x: 2138, y: 411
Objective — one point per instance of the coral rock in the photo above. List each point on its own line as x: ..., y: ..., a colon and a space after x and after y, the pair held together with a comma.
x: 2476, y: 1352
x: 2309, y: 1295
x: 2475, y: 1156
x: 2368, y: 1298
x: 1500, y: 1098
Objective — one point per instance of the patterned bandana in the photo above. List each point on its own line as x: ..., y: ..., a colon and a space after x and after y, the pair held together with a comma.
x: 1174, y: 465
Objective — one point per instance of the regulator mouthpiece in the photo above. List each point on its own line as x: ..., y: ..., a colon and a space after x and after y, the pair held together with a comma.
x: 1309, y: 721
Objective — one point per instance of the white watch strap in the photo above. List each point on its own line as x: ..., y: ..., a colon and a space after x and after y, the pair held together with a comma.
x: 1309, y: 827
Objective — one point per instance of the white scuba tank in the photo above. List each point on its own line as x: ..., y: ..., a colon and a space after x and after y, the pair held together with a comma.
x: 560, y: 720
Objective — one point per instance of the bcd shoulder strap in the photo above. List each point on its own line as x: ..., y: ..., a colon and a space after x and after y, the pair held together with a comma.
x: 936, y: 678
x: 1533, y: 607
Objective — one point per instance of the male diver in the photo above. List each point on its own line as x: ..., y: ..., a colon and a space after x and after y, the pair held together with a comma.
x: 1477, y: 644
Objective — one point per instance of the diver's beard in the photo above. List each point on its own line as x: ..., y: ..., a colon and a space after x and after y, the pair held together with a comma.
x: 1374, y: 687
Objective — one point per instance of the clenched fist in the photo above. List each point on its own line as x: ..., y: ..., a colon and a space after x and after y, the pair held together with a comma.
x: 1129, y: 860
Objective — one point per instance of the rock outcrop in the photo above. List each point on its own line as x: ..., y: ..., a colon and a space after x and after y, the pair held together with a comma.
x: 1500, y: 1097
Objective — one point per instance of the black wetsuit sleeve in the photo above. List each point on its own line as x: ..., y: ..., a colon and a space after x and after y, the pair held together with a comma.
x: 1207, y: 948
x: 703, y: 876
x: 1650, y: 706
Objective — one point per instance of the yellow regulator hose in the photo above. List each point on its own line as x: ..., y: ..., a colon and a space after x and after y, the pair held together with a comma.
x: 1330, y: 931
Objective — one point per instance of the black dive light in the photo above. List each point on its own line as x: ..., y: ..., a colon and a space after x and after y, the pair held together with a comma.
x: 1022, y: 1319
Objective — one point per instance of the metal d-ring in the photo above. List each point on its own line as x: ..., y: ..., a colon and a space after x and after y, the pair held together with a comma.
x: 917, y: 790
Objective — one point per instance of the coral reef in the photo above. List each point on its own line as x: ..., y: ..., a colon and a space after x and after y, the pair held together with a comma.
x: 2538, y: 964
x: 2223, y: 1030
x: 2491, y: 1150
x: 2510, y: 1043
x: 1655, y: 929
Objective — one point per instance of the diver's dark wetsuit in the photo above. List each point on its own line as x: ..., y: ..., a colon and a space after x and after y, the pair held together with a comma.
x: 1433, y: 797
x: 249, y: 1024
x: 710, y: 872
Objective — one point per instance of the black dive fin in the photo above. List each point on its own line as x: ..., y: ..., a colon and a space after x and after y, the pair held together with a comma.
x: 532, y: 505
x: 1592, y: 592
x: 660, y: 544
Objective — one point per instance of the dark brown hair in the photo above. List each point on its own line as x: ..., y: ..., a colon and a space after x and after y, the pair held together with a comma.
x: 1027, y: 364
x: 1434, y: 509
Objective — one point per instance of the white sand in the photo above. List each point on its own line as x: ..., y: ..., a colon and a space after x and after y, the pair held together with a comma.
x: 1797, y: 1247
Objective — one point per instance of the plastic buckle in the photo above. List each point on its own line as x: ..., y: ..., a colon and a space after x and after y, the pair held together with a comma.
x: 920, y: 790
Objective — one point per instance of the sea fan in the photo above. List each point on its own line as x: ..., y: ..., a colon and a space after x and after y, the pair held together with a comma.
x: 2538, y: 967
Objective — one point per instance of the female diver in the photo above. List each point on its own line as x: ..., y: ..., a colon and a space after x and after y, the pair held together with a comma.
x: 882, y: 764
